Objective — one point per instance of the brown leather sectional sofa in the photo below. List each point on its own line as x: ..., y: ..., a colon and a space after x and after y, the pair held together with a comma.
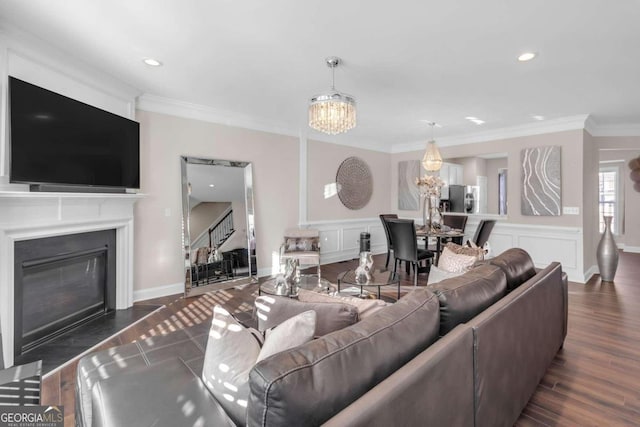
x: 468, y: 351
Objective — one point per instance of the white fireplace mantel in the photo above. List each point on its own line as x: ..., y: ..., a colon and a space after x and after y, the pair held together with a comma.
x: 32, y: 215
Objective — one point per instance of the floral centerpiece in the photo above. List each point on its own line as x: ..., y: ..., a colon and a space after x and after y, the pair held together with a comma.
x: 430, y: 190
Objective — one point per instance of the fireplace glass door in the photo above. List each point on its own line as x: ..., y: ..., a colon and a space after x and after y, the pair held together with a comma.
x: 60, y: 283
x: 58, y: 293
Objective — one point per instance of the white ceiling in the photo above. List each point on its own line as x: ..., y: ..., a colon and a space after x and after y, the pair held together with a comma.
x: 406, y: 62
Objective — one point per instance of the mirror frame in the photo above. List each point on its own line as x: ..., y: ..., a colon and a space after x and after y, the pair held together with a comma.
x: 252, y: 276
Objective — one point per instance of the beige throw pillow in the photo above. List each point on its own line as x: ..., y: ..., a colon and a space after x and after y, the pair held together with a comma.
x: 291, y: 333
x: 452, y: 262
x: 233, y: 350
x: 466, y: 250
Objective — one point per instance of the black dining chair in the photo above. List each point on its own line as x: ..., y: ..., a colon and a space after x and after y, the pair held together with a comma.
x: 483, y: 231
x: 384, y: 218
x: 458, y: 222
x: 405, y: 247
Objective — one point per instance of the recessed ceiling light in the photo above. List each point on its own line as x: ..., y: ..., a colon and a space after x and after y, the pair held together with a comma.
x: 437, y: 125
x: 212, y: 185
x: 537, y: 117
x: 475, y: 120
x: 527, y: 56
x: 152, y: 62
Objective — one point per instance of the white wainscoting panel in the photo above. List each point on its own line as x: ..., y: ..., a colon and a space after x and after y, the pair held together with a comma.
x: 378, y: 238
x: 351, y: 237
x: 329, y: 241
x: 340, y: 240
x: 545, y: 244
x: 551, y: 249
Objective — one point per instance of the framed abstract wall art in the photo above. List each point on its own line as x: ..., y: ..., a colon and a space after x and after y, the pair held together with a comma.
x: 541, y: 181
x: 408, y: 191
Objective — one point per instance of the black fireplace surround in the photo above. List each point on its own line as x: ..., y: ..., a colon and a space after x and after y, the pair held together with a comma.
x: 60, y: 283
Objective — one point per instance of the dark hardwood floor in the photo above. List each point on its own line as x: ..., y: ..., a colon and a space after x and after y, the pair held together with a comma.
x: 593, y: 381
x: 69, y: 345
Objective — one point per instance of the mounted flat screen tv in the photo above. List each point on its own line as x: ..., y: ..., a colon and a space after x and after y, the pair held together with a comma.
x: 57, y: 141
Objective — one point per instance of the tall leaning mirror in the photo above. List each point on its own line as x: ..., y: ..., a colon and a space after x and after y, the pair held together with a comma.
x: 218, y: 224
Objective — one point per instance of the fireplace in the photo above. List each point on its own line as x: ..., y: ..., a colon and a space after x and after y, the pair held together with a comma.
x: 60, y: 283
x: 26, y: 216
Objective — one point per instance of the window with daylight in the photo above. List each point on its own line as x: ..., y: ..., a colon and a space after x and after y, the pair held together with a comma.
x: 609, y: 198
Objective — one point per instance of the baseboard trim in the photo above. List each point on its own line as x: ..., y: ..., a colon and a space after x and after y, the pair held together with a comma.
x: 157, y: 292
x: 176, y: 288
x: 265, y: 272
x: 632, y: 249
x: 590, y: 272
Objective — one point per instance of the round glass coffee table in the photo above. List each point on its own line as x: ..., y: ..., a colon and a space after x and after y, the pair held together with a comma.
x: 307, y: 282
x: 379, y: 278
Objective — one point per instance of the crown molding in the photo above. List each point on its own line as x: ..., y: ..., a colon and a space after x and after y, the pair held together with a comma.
x: 590, y: 125
x: 159, y: 104
x: 537, y: 128
x: 359, y: 143
x: 611, y: 129
x: 188, y: 110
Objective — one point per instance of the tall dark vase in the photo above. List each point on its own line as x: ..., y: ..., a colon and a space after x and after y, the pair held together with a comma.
x: 607, y: 253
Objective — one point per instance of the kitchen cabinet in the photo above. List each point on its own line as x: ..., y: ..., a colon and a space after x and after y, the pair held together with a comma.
x: 451, y: 174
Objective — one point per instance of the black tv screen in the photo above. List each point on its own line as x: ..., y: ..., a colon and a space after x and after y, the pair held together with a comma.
x: 60, y: 141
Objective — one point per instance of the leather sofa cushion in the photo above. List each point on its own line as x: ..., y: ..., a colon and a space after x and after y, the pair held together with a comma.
x: 463, y: 297
x: 309, y: 384
x: 166, y: 394
x: 517, y: 265
x: 515, y: 341
x: 273, y: 310
x: 186, y: 344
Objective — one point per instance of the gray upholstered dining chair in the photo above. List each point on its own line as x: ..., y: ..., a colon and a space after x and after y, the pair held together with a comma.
x: 302, y: 244
x: 20, y: 385
x: 405, y: 247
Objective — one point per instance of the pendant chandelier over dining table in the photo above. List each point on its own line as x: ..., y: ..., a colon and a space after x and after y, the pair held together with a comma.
x: 332, y: 112
x: 432, y: 160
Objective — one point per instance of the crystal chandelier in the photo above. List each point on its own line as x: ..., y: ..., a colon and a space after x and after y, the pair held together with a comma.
x: 432, y: 160
x: 332, y: 112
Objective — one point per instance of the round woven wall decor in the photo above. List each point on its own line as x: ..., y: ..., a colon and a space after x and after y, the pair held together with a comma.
x: 355, y: 183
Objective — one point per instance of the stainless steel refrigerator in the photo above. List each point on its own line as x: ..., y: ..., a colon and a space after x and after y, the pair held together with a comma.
x: 463, y: 198
x: 456, y: 198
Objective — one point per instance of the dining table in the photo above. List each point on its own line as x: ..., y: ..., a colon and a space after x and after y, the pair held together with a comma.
x: 438, y: 235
